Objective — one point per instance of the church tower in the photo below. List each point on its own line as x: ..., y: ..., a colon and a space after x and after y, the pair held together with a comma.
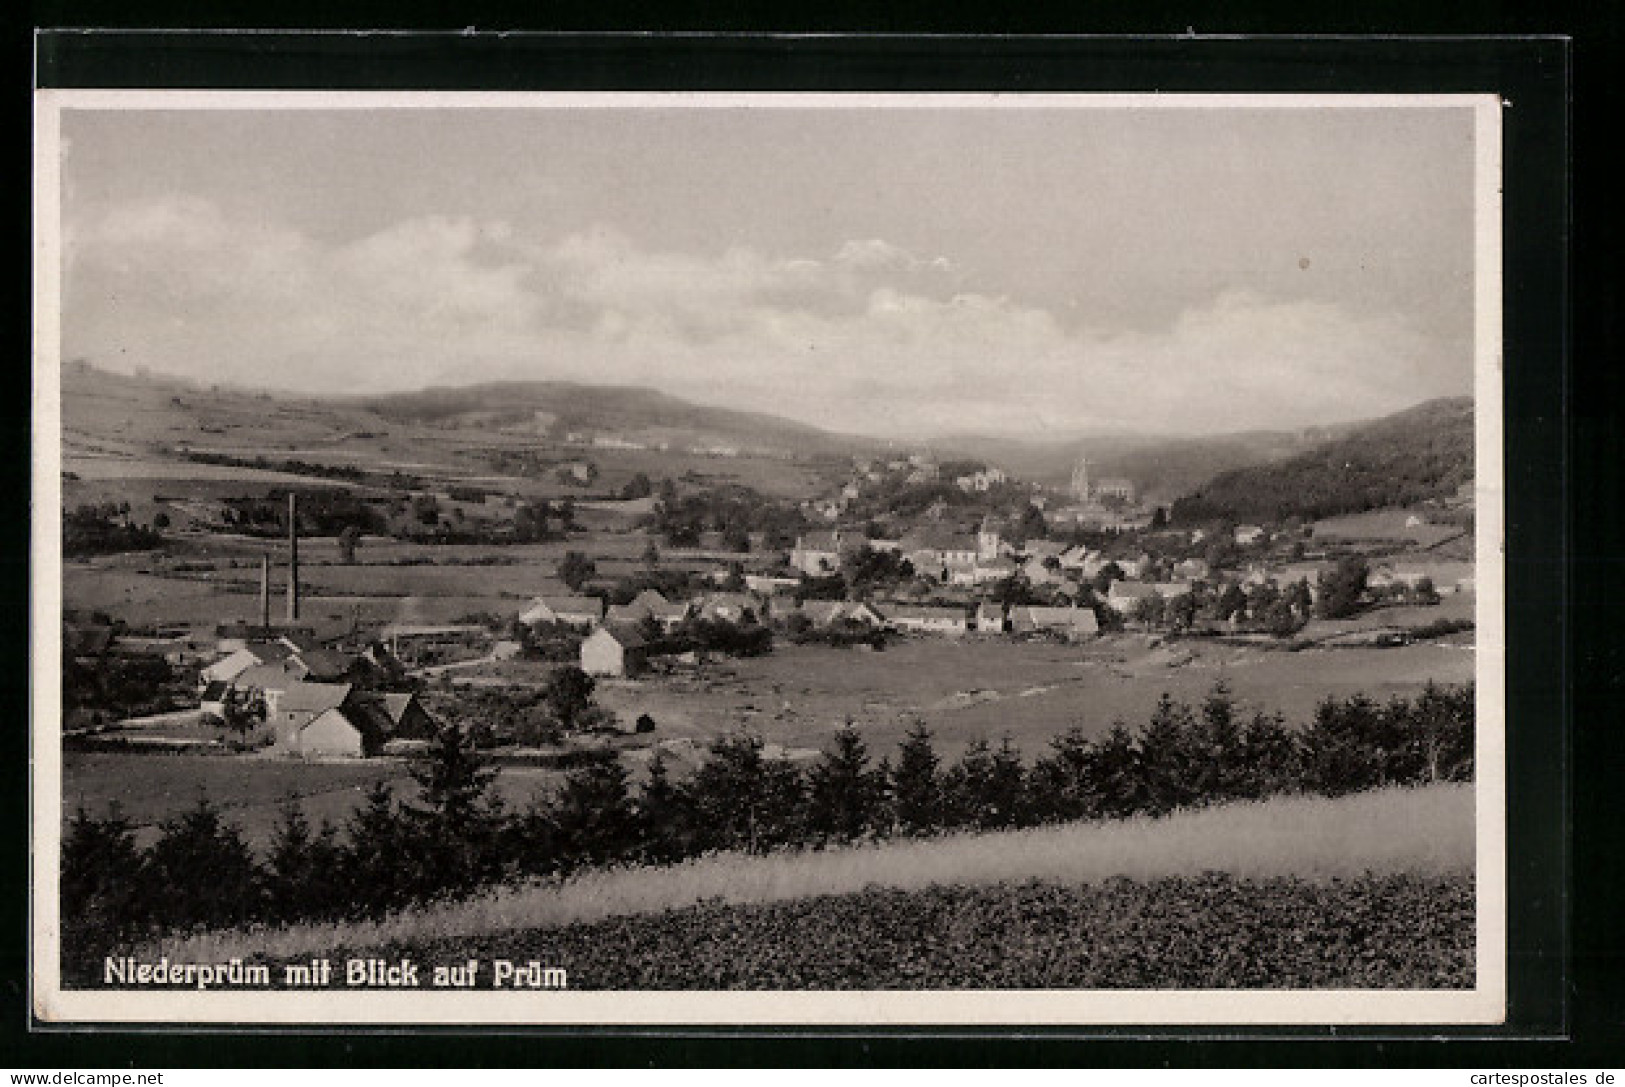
x: 1080, y: 480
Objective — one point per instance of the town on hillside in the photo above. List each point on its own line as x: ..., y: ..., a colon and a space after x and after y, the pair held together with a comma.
x: 312, y: 623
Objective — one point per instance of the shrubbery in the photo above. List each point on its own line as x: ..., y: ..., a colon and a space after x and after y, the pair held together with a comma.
x: 455, y: 838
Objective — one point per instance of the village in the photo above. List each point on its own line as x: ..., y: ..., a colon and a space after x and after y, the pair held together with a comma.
x: 894, y: 557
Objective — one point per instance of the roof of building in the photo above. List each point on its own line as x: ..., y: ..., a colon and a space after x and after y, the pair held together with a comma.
x: 923, y: 611
x: 566, y: 605
x: 1131, y: 590
x: 1077, y: 618
x: 397, y: 703
x: 299, y: 641
x: 325, y: 663
x: 819, y: 541
x: 264, y: 677
x: 215, y: 691
x: 301, y: 697
x: 624, y: 634
x: 939, y: 539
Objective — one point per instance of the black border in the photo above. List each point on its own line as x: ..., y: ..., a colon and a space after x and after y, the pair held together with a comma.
x: 1532, y: 75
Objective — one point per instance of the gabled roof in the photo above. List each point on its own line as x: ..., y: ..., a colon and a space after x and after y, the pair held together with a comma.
x: 1131, y: 590
x: 299, y: 643
x: 939, y: 539
x: 215, y: 691
x: 395, y: 704
x: 325, y: 663
x: 269, y: 652
x: 921, y: 611
x: 1076, y: 618
x: 566, y: 605
x: 623, y: 633
x: 300, y: 697
x: 264, y: 677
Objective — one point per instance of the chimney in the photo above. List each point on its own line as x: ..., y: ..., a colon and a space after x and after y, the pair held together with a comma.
x: 293, y: 558
x: 265, y: 592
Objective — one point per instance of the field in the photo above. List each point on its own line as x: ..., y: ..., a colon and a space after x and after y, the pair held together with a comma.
x: 1368, y: 890
x: 965, y: 690
x: 249, y: 790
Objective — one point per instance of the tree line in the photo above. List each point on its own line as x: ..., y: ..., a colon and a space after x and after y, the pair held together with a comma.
x: 456, y: 837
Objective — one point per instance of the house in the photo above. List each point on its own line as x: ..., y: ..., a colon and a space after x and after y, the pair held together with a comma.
x: 576, y: 611
x: 1074, y: 624
x: 1123, y: 595
x: 1191, y: 570
x: 823, y: 613
x: 984, y: 480
x: 407, y: 717
x: 298, y: 704
x: 1122, y: 489
x: 1046, y: 549
x: 336, y: 731
x: 989, y: 618
x: 1248, y: 534
x: 648, y: 604
x: 993, y: 570
x: 732, y: 608
x: 1076, y: 558
x: 614, y: 650
x: 938, y: 554
x: 817, y: 552
x: 215, y: 696
x: 1037, y: 573
x: 270, y: 681
x: 990, y: 541
x: 766, y: 585
x: 235, y: 663
x: 928, y: 620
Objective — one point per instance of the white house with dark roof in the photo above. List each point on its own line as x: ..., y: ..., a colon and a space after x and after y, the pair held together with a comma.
x: 583, y: 611
x: 928, y: 620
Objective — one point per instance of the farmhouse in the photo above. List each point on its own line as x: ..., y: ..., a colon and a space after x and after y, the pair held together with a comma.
x: 928, y: 620
x: 1074, y: 624
x: 823, y: 613
x: 940, y: 554
x: 234, y: 664
x: 731, y: 608
x: 989, y: 618
x: 993, y: 570
x: 817, y: 552
x: 614, y: 650
x: 648, y: 604
x: 765, y: 585
x: 580, y: 611
x: 1125, y: 594
x: 298, y: 704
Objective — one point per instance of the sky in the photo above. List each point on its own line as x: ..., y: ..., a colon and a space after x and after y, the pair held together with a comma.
x: 1032, y: 272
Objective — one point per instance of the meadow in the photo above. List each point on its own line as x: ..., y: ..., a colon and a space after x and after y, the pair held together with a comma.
x: 1426, y: 833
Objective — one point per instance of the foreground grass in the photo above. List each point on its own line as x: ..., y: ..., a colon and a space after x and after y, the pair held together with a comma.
x: 1313, y: 840
x: 1206, y: 932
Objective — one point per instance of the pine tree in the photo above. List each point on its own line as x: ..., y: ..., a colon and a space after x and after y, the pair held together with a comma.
x: 664, y: 815
x: 301, y: 867
x: 1167, y: 759
x: 843, y: 792
x: 918, y: 803
x: 200, y: 872
x: 594, y: 815
x: 455, y: 823
x: 101, y: 875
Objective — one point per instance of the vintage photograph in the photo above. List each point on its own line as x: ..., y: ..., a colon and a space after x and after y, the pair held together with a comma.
x: 700, y: 558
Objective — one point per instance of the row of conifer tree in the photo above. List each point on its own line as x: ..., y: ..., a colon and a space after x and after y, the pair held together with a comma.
x: 456, y: 837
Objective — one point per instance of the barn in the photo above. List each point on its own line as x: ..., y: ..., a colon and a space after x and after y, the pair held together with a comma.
x: 617, y: 650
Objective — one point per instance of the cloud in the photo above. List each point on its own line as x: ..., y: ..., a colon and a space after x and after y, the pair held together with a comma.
x: 865, y: 337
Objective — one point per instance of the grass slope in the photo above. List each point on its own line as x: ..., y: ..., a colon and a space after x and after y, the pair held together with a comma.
x: 1312, y: 839
x: 1212, y: 931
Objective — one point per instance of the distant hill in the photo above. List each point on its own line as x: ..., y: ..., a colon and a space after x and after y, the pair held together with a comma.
x: 1422, y: 453
x: 1162, y: 467
x: 558, y: 408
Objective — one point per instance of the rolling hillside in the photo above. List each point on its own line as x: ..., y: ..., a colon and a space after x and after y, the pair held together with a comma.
x: 1417, y: 455
x: 555, y: 409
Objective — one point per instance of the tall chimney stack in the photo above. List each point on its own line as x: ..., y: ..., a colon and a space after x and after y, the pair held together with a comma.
x: 293, y: 558
x: 265, y: 592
